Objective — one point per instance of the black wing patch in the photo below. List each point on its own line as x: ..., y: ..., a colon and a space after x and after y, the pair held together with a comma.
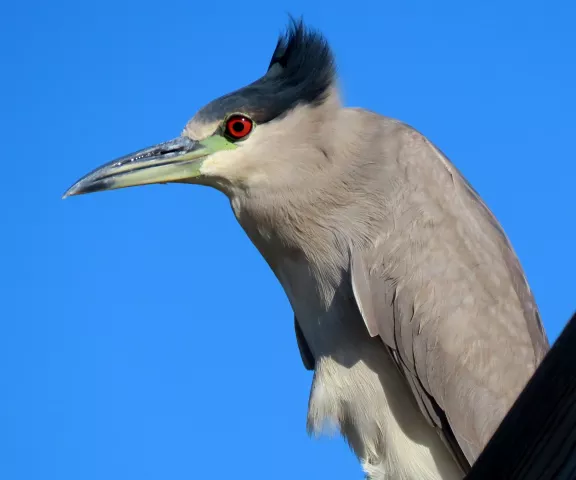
x: 305, y: 353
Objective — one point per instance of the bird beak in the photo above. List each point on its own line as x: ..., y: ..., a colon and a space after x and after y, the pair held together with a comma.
x: 178, y: 160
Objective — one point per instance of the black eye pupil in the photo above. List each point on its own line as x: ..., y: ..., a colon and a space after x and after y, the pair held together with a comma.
x: 237, y: 126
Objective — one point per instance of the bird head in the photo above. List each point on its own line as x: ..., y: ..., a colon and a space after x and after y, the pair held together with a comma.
x: 253, y: 137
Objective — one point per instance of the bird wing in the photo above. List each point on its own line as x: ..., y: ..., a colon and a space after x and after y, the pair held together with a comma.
x: 378, y: 295
x: 465, y: 347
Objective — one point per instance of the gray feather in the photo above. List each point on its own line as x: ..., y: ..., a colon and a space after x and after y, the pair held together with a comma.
x: 388, y: 233
x: 446, y: 374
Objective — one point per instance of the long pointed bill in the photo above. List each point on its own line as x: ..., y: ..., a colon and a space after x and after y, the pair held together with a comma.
x: 174, y: 161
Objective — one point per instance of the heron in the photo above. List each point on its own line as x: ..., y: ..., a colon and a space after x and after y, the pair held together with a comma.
x: 410, y: 304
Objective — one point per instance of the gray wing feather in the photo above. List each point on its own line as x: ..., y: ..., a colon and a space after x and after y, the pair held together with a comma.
x: 465, y: 365
x: 519, y: 281
x: 369, y: 302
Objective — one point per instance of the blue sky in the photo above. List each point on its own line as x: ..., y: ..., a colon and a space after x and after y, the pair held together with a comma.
x: 141, y: 334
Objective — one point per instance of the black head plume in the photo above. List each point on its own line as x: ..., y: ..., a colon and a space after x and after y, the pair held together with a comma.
x: 302, y: 64
x: 301, y: 70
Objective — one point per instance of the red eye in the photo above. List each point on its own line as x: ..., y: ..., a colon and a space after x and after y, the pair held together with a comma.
x: 238, y: 126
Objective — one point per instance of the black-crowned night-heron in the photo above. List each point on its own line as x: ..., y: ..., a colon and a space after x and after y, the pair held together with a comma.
x: 411, y: 306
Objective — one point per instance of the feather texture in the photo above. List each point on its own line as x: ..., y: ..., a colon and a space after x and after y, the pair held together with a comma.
x: 411, y: 305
